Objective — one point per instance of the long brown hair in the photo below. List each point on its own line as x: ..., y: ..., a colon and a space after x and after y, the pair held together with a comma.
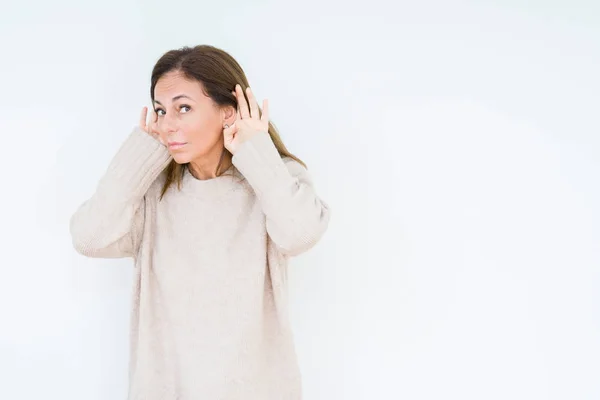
x: 218, y: 73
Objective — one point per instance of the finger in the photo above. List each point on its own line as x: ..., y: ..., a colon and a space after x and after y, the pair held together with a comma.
x: 154, y: 121
x: 237, y: 105
x: 228, y: 133
x: 254, y: 113
x: 242, y: 104
x: 156, y: 134
x: 143, y: 118
x: 265, y: 111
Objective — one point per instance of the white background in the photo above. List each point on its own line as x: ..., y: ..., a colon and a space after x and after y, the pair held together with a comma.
x: 457, y: 143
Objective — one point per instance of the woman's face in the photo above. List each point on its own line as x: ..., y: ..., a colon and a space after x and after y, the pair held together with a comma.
x: 189, y: 122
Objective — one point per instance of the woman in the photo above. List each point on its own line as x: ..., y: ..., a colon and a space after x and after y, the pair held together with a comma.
x: 210, y: 205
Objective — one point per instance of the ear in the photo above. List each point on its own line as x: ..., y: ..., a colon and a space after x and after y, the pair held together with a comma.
x: 228, y: 115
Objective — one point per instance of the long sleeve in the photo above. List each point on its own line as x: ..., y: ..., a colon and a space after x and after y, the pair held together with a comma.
x: 296, y: 217
x: 110, y: 222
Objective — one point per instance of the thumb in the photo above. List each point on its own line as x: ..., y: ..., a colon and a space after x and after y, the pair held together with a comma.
x: 230, y: 131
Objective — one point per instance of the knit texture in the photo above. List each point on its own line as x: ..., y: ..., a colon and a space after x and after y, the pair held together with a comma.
x: 209, y: 316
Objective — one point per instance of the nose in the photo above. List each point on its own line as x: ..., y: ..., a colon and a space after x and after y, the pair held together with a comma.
x: 169, y: 125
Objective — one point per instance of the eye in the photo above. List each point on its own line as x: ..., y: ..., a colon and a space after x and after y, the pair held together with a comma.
x: 185, y: 106
x: 158, y: 111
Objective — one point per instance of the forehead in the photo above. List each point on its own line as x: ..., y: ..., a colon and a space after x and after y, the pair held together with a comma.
x: 173, y: 84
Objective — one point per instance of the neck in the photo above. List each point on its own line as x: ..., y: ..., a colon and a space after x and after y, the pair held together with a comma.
x: 206, y: 167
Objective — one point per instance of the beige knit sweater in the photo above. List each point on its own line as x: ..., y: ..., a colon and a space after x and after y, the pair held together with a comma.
x: 209, y: 315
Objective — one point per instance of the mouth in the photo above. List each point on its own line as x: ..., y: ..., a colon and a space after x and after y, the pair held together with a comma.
x: 176, y: 145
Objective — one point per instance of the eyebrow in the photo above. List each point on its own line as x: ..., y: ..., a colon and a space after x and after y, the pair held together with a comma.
x: 181, y: 96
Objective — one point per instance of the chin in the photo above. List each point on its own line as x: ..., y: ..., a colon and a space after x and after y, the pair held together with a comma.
x: 181, y: 158
x: 188, y: 153
x: 184, y: 157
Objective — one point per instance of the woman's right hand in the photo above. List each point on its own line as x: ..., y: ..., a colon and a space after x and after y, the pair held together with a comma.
x: 150, y: 126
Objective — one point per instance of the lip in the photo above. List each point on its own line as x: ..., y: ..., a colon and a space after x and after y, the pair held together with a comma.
x: 176, y: 145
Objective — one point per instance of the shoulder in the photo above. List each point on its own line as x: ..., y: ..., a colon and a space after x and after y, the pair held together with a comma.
x: 157, y: 186
x: 295, y: 168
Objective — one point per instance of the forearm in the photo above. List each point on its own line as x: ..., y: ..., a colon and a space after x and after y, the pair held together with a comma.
x: 107, y: 223
x: 295, y: 215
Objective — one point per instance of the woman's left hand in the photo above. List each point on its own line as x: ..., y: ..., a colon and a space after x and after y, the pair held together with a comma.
x: 248, y: 121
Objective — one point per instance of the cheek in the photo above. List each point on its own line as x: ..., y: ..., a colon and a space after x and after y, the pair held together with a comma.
x: 202, y: 130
